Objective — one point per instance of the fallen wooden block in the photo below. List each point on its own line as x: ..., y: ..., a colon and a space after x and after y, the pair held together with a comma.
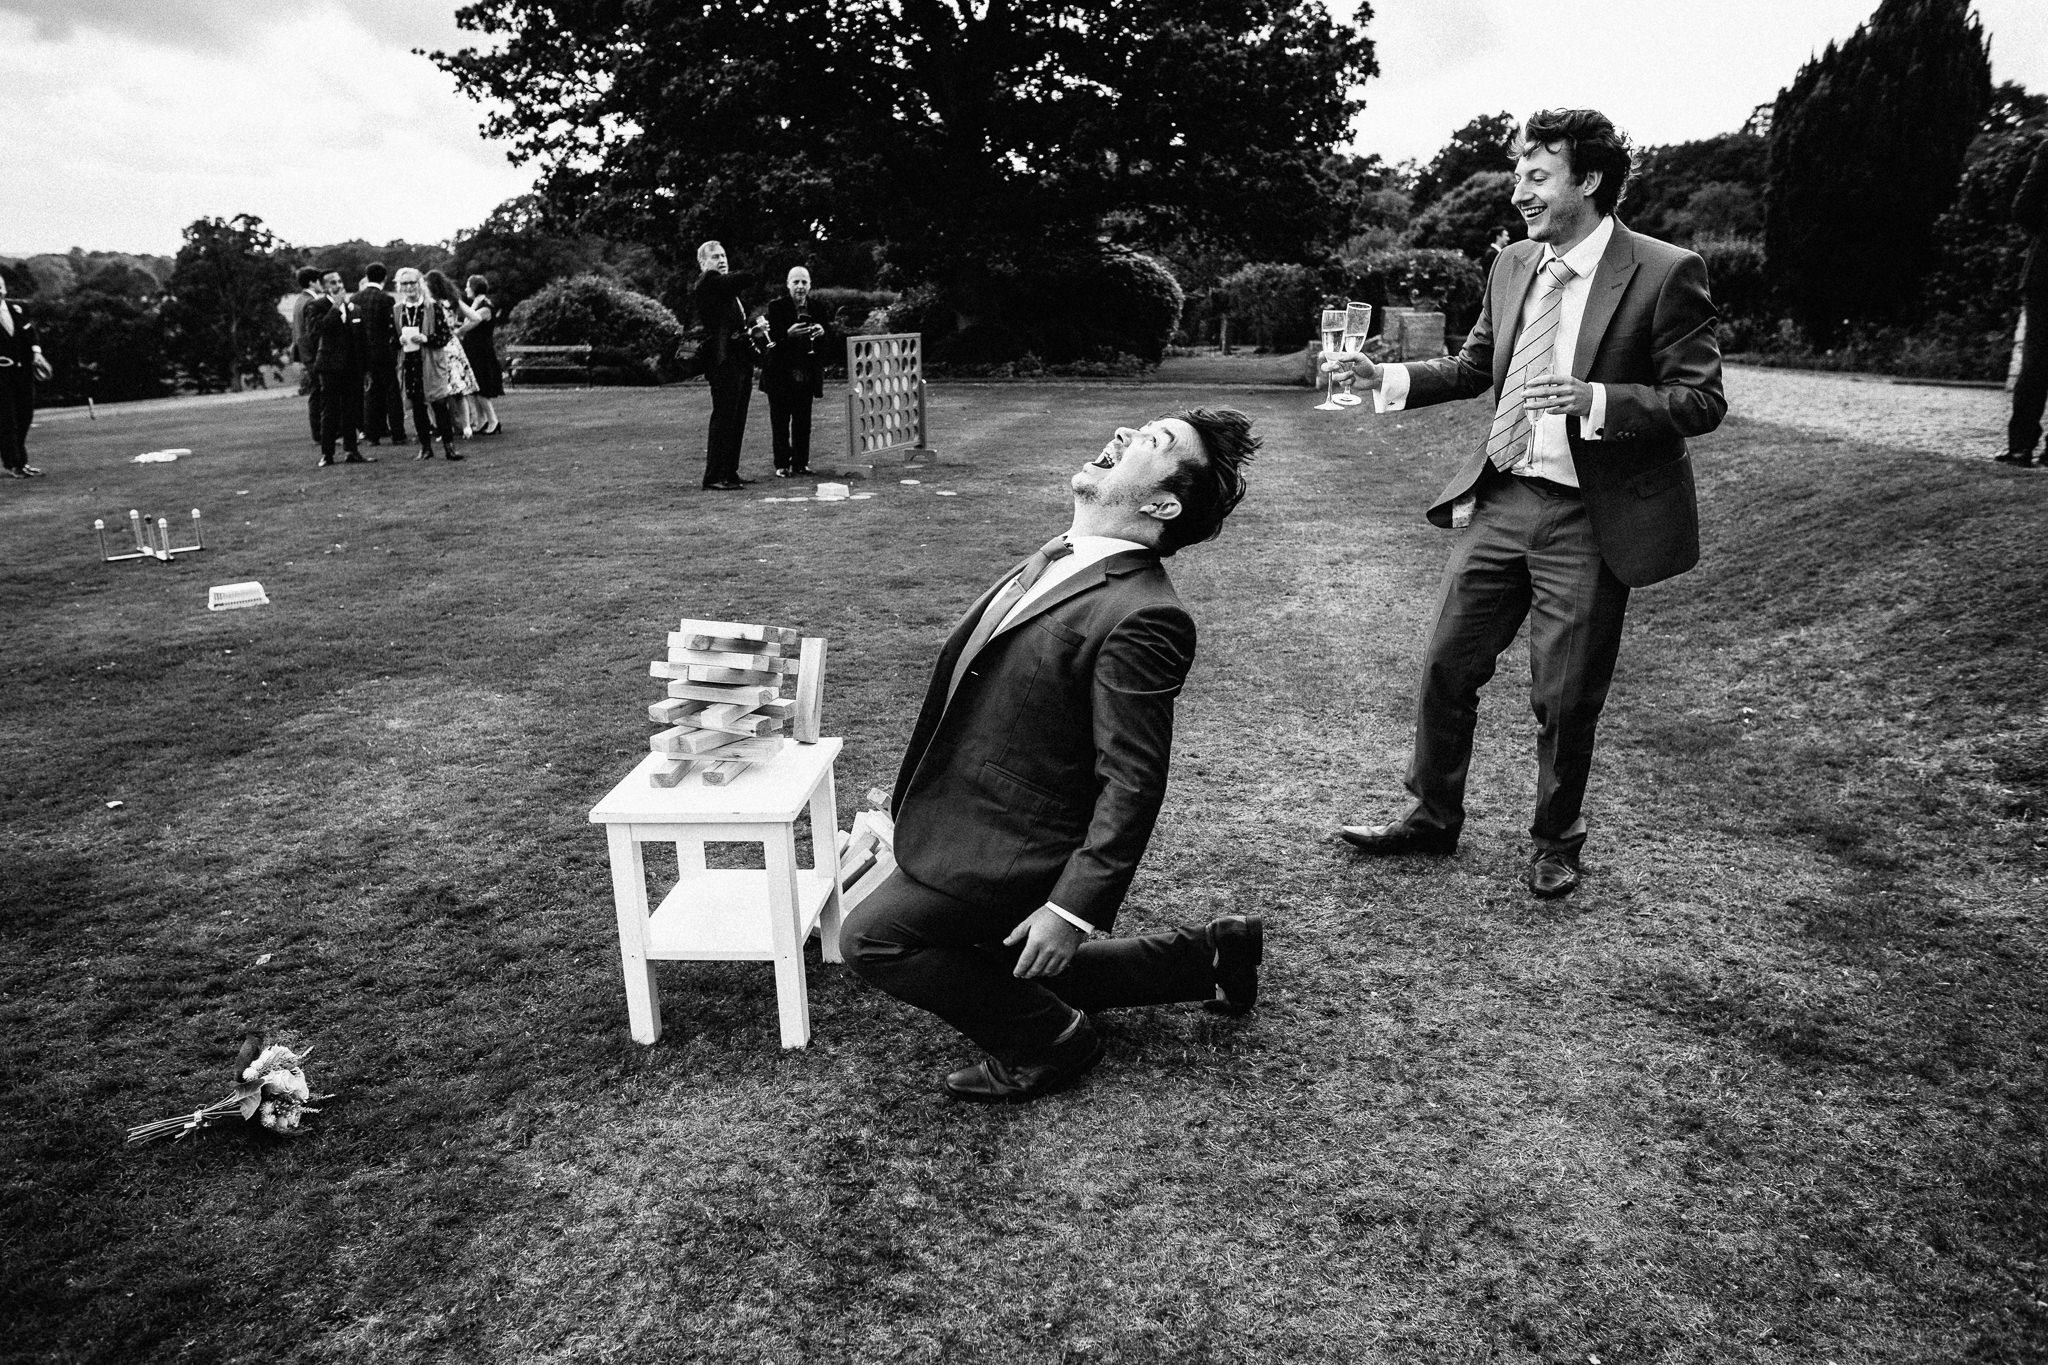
x: 670, y: 773
x: 705, y: 673
x: 760, y: 663
x: 884, y: 868
x: 738, y: 630
x: 810, y: 689
x: 675, y: 708
x: 763, y: 697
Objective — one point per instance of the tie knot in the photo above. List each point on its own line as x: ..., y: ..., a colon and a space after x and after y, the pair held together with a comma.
x: 1560, y: 274
x: 1056, y: 548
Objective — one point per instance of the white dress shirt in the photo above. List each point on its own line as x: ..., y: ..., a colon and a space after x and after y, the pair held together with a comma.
x: 1087, y: 550
x: 1550, y: 450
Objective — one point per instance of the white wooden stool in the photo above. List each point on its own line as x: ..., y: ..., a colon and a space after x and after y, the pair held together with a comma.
x: 720, y: 914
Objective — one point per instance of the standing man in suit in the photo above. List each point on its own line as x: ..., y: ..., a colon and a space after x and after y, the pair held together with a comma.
x: 1606, y: 361
x: 21, y: 365
x: 728, y: 365
x: 384, y: 411
x: 793, y: 375
x: 2030, y: 390
x: 334, y: 327
x: 1035, y: 773
x: 310, y: 293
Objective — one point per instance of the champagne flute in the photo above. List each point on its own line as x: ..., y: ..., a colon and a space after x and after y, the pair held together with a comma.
x: 1357, y: 321
x: 1333, y: 334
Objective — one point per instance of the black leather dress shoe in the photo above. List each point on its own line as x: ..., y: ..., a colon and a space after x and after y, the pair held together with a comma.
x: 990, y: 1082
x: 2022, y: 458
x: 724, y: 486
x: 1239, y: 944
x: 1397, y: 838
x: 1552, y: 874
x: 357, y: 457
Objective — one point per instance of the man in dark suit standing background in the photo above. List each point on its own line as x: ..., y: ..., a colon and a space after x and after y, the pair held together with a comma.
x: 793, y: 374
x: 334, y: 328
x: 309, y: 294
x: 21, y: 365
x: 384, y: 402
x: 1035, y: 773
x: 2030, y: 389
x: 1607, y: 360
x: 728, y: 365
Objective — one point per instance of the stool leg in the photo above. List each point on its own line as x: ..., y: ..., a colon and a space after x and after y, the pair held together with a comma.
x: 629, y: 895
x: 792, y: 998
x: 825, y: 854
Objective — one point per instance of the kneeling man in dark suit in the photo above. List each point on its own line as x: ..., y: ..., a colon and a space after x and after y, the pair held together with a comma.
x: 1035, y: 773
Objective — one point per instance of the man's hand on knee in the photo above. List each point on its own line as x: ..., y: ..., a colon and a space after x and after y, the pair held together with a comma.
x: 1049, y: 943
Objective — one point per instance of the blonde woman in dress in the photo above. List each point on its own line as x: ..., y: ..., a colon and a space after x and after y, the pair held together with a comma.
x: 425, y: 336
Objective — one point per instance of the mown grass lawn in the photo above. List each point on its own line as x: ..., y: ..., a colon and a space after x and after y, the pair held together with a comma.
x: 1768, y: 1089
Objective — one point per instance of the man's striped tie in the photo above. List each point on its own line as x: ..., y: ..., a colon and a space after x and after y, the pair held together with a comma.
x: 1507, y: 444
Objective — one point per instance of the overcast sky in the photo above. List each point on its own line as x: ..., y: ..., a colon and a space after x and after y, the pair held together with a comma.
x: 127, y: 119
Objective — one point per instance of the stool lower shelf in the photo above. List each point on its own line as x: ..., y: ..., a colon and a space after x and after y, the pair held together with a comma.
x: 721, y: 916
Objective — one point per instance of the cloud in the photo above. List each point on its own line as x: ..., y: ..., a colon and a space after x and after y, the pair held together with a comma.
x: 205, y: 25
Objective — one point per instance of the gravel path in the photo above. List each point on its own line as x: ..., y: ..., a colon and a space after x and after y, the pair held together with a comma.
x: 1959, y: 423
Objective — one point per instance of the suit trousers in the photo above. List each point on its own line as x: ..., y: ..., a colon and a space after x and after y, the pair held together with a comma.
x: 946, y: 956
x: 789, y: 426
x: 731, y: 386
x: 2030, y: 389
x: 1528, y: 554
x: 310, y: 386
x: 384, y: 403
x: 339, y: 398
x: 17, y: 413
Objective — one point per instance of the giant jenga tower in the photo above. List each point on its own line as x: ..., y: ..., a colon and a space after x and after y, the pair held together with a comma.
x: 725, y: 707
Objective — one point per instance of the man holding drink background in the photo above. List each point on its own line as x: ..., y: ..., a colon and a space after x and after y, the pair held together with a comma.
x: 1607, y: 361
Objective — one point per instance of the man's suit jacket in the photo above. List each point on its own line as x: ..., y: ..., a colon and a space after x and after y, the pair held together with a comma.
x: 795, y: 365
x: 337, y: 345
x: 725, y: 324
x: 380, y: 326
x: 1042, y: 779
x: 302, y: 348
x: 18, y: 348
x: 1649, y: 336
x: 2030, y: 213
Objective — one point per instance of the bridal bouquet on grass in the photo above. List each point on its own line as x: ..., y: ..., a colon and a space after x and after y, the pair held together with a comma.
x: 270, y: 1089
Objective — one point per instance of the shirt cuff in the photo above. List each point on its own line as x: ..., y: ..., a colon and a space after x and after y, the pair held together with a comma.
x: 1392, y: 394
x: 1596, y: 420
x: 1083, y: 925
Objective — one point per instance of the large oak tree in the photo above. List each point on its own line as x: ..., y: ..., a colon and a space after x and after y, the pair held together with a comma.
x: 954, y: 132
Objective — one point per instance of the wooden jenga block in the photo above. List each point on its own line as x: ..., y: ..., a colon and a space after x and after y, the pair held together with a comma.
x: 781, y: 708
x: 763, y: 697
x: 743, y: 725
x: 670, y: 773
x: 674, y: 709
x: 687, y: 740
x: 749, y: 750
x: 736, y: 630
x: 724, y: 714
x: 810, y: 689
x: 760, y: 663
x: 720, y: 773
x: 678, y: 639
x: 705, y: 673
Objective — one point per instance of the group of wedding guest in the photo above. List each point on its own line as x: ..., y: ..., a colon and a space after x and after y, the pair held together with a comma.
x: 406, y: 342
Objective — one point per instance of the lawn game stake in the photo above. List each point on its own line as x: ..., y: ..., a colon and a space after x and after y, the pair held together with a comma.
x: 152, y: 540
x: 725, y: 710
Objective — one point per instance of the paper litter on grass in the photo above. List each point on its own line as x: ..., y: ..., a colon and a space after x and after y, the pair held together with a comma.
x: 228, y: 596
x: 159, y: 456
